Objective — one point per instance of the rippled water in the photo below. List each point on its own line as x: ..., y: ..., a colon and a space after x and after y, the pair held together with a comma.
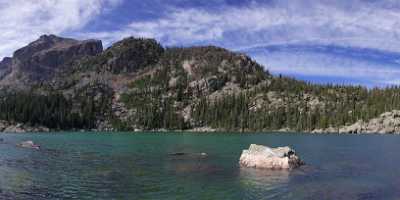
x: 137, y: 166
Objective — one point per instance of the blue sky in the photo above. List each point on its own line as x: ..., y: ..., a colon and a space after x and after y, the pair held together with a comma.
x: 324, y: 41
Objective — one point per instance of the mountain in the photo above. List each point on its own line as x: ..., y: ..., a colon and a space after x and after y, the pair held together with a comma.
x: 136, y: 84
x: 41, y: 59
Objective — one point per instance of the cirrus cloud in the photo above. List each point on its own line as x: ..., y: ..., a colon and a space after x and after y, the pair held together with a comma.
x: 357, y: 23
x: 23, y: 21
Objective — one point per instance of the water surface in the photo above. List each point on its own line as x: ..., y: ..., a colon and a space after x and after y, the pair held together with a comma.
x: 138, y: 166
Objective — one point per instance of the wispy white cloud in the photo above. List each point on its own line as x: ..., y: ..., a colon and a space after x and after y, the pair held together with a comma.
x: 22, y: 21
x: 329, y: 66
x: 359, y: 23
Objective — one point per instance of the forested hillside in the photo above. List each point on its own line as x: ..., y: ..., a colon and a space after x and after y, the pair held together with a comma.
x: 136, y: 84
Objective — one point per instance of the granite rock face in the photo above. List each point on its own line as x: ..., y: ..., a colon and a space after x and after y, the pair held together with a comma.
x: 126, y: 56
x: 41, y: 59
x: 5, y: 66
x: 388, y: 122
x: 263, y: 157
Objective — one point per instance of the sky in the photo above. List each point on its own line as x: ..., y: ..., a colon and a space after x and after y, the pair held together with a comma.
x: 322, y: 41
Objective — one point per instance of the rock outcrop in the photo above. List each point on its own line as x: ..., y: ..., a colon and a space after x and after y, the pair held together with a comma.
x: 41, y: 59
x: 262, y: 157
x: 386, y: 123
x: 125, y: 56
x: 5, y: 66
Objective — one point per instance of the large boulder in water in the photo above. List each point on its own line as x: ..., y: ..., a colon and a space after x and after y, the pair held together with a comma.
x: 262, y: 157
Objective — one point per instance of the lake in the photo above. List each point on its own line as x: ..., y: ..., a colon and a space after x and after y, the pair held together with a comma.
x: 138, y: 166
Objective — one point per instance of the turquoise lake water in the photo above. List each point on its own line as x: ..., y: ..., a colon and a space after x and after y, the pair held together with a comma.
x: 138, y: 166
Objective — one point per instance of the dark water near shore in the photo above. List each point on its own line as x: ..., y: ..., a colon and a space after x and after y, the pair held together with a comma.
x: 137, y: 166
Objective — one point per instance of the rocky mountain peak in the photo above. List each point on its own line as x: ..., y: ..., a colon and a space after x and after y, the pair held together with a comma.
x: 51, y: 38
x: 5, y: 62
x: 5, y: 66
x: 48, y: 43
x: 128, y: 55
x: 40, y: 59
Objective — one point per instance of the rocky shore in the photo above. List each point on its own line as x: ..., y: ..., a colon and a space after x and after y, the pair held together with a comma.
x: 9, y: 127
x: 386, y: 123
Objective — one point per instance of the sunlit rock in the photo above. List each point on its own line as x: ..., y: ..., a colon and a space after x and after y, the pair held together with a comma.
x: 262, y: 157
x: 29, y: 145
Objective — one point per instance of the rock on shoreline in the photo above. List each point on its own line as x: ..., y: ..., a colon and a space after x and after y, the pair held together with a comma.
x: 8, y: 127
x: 386, y: 123
x: 263, y: 157
x: 203, y: 130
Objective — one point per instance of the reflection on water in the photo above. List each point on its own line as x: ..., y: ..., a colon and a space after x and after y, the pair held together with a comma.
x: 14, y: 181
x: 263, y: 184
x: 146, y: 166
x: 263, y: 178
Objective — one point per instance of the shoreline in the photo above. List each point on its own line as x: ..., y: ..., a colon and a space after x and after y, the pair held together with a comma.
x: 220, y: 132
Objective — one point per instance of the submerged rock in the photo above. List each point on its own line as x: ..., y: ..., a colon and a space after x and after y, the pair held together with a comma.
x: 262, y: 157
x: 29, y: 145
x: 189, y: 155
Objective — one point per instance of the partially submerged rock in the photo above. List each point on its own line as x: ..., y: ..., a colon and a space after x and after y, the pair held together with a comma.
x: 189, y: 155
x: 29, y: 145
x: 262, y: 157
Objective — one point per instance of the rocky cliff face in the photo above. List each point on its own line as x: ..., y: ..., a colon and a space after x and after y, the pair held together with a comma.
x: 126, y: 56
x: 41, y: 59
x: 5, y: 67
